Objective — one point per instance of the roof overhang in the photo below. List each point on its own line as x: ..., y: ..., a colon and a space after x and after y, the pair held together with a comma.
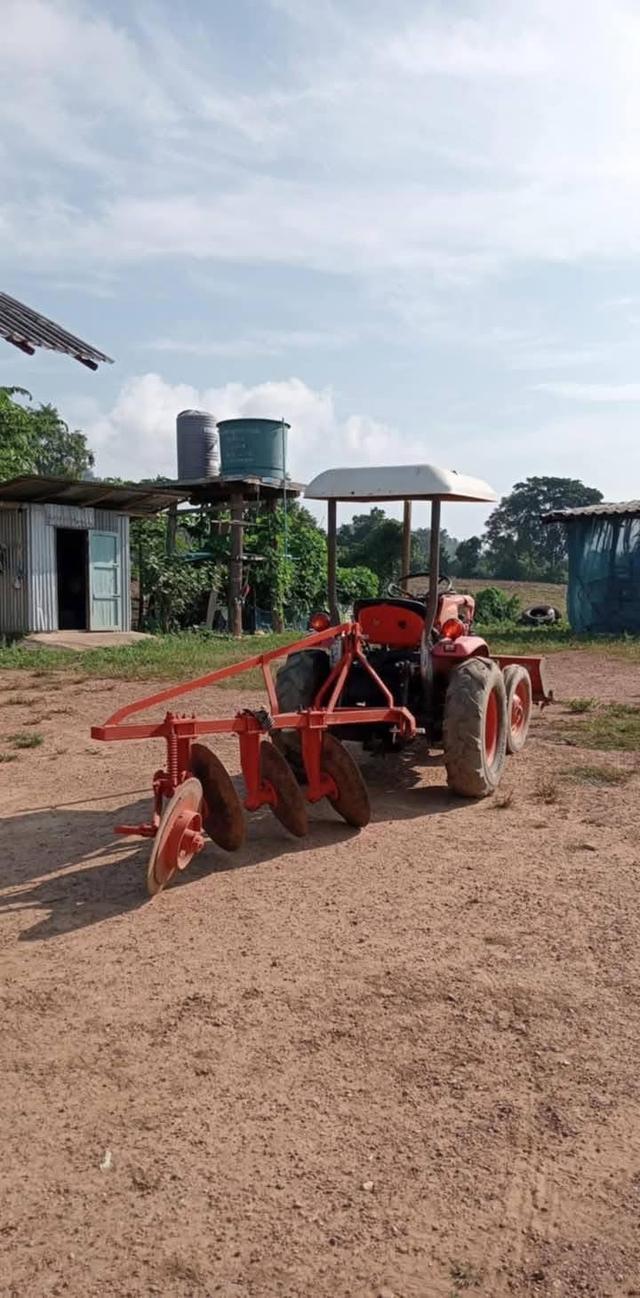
x: 137, y: 500
x: 604, y: 509
x: 27, y: 329
x: 398, y: 482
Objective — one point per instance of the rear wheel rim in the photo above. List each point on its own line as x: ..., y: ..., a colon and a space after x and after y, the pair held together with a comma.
x: 492, y: 727
x: 519, y: 709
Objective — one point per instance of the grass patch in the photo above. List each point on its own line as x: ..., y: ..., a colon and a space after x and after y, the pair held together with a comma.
x: 580, y: 705
x: 503, y: 800
x: 608, y: 775
x: 25, y: 740
x: 8, y: 757
x: 464, y: 1274
x: 185, y: 1269
x: 170, y: 657
x: 513, y: 639
x: 547, y: 790
x: 191, y: 654
x: 19, y: 701
x: 610, y: 727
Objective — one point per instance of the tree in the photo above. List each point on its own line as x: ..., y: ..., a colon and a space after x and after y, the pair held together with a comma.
x: 519, y: 545
x: 173, y: 590
x: 420, y: 544
x: 37, y: 440
x: 294, y: 573
x: 372, y: 541
x: 468, y: 556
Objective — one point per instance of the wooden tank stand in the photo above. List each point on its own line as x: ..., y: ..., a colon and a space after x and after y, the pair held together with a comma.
x: 238, y: 493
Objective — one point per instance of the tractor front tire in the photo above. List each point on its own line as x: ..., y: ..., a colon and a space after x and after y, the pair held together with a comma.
x: 297, y: 683
x: 475, y: 728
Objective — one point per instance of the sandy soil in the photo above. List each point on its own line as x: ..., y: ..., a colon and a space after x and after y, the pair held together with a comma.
x: 396, y: 1063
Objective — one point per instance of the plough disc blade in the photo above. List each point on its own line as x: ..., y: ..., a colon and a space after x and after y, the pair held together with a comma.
x: 352, y: 801
x: 290, y: 807
x: 179, y: 836
x: 222, y: 813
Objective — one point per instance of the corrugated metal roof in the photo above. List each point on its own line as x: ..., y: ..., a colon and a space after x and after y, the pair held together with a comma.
x: 124, y: 499
x: 592, y: 511
x: 27, y: 329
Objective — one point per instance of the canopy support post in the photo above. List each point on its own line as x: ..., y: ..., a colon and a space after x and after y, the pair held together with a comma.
x: 332, y: 561
x: 434, y: 569
x: 406, y: 540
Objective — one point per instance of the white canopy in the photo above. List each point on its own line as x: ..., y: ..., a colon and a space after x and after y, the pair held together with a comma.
x: 397, y: 482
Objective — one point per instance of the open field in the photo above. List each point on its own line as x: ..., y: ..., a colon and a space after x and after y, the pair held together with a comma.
x: 396, y: 1063
x: 527, y: 592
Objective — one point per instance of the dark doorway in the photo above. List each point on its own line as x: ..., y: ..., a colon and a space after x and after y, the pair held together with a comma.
x: 71, y: 560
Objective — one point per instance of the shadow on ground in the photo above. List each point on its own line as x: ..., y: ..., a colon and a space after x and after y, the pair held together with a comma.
x: 55, y: 857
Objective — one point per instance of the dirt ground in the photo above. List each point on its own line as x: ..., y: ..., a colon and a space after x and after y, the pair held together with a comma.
x: 396, y: 1064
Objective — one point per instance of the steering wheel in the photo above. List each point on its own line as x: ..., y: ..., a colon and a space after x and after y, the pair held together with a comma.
x: 397, y: 590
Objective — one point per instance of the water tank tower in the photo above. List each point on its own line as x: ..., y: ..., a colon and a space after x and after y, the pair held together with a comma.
x: 198, y: 445
x: 253, y: 448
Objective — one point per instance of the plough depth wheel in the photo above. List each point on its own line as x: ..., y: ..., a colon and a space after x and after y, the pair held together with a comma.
x: 352, y: 801
x: 179, y: 836
x: 290, y: 807
x: 222, y: 813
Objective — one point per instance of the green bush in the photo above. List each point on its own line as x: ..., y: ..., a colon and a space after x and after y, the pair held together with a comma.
x: 494, y: 605
x: 356, y: 583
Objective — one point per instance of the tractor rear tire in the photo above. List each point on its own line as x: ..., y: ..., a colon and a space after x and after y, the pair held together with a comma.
x: 517, y: 683
x: 475, y: 728
x: 297, y: 684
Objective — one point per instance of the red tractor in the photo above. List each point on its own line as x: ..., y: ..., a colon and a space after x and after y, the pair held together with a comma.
x: 474, y: 707
x: 404, y: 666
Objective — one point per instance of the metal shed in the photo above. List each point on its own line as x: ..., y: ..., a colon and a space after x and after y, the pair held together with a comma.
x: 64, y: 552
x: 603, y: 542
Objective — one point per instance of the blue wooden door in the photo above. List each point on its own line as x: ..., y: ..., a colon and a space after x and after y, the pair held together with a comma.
x: 104, y: 572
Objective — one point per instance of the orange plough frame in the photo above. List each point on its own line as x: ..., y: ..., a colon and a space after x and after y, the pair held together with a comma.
x: 253, y: 726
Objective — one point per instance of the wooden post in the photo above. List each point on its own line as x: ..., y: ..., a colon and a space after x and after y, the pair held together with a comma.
x: 235, y: 565
x: 332, y: 561
x: 277, y: 619
x: 212, y: 603
x: 406, y: 540
x: 140, y: 584
x: 172, y: 527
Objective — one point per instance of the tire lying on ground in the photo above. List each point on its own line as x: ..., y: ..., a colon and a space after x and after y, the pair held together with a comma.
x: 475, y: 728
x: 297, y: 684
x: 540, y: 615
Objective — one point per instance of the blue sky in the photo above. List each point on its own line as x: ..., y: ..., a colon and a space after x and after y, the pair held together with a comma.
x: 411, y: 229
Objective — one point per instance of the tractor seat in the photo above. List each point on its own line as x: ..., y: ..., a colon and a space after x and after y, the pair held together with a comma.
x: 398, y: 623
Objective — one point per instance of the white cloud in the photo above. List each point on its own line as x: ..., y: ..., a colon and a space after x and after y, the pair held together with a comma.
x: 599, y: 393
x: 137, y: 436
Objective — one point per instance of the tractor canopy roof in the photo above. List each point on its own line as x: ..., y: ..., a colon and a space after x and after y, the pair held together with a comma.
x: 398, y: 482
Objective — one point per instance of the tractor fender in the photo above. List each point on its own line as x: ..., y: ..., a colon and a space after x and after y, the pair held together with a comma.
x: 466, y: 646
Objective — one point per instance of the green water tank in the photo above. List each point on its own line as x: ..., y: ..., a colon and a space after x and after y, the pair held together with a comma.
x: 253, y: 448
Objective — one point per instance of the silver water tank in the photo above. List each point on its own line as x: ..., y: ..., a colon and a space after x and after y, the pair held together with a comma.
x: 198, y: 445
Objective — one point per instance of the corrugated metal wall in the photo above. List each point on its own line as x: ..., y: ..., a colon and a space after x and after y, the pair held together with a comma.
x: 43, y: 593
x: 14, y: 581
